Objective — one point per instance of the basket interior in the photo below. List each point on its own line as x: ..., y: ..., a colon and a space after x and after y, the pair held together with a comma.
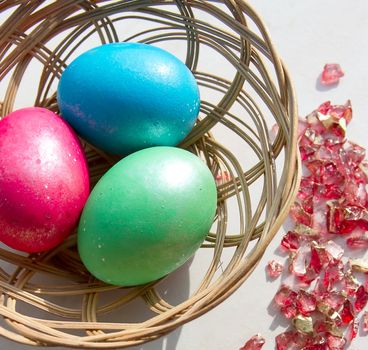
x: 246, y: 133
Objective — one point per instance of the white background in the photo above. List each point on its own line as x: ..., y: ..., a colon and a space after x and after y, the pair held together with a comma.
x: 307, y: 34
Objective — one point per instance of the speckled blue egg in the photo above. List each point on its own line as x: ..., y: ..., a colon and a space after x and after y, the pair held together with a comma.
x: 123, y: 97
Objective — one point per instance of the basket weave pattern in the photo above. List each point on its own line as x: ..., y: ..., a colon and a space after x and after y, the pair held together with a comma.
x: 258, y: 95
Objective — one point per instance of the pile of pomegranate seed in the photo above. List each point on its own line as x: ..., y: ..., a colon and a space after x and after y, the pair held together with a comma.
x: 326, y: 300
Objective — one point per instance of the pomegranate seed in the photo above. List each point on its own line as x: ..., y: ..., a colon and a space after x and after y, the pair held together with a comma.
x: 359, y: 242
x: 298, y: 214
x: 289, y: 311
x: 285, y: 296
x: 315, y: 261
x: 305, y: 302
x: 353, y: 330
x: 298, y: 262
x: 274, y: 269
x: 325, y: 107
x: 347, y: 313
x: 365, y: 322
x: 285, y: 340
x: 334, y: 300
x: 350, y: 284
x: 334, y: 250
x: 334, y: 272
x: 331, y: 74
x: 291, y: 241
x: 308, y: 278
x: 254, y: 343
x: 335, y: 343
x: 361, y: 299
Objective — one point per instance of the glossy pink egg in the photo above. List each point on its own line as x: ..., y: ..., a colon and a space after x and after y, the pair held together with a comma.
x: 44, y: 180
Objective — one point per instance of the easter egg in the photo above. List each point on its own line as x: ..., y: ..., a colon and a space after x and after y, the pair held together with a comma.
x: 146, y: 216
x: 124, y: 97
x: 44, y: 181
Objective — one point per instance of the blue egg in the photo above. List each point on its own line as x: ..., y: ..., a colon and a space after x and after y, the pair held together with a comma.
x: 123, y: 97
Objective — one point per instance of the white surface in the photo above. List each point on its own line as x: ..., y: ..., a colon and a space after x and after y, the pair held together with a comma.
x: 307, y: 34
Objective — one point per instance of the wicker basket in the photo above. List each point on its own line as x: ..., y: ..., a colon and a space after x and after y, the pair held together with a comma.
x: 49, y: 298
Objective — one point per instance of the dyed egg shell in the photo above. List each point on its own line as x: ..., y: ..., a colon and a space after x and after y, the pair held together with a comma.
x: 147, y: 216
x: 44, y: 181
x: 124, y: 97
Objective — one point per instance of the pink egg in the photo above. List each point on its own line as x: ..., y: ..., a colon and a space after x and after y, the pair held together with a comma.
x: 44, y: 180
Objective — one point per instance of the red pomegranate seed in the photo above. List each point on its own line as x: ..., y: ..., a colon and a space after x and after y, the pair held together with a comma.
x: 350, y: 284
x: 327, y: 153
x: 311, y: 138
x: 334, y: 250
x: 285, y: 296
x: 254, y: 343
x: 285, y: 340
x: 361, y: 299
x: 222, y: 177
x: 347, y: 313
x: 335, y: 343
x: 316, y: 167
x: 325, y: 107
x: 274, y: 269
x: 298, y: 214
x: 306, y: 302
x: 309, y: 277
x: 320, y: 326
x: 289, y: 311
x: 306, y: 152
x: 331, y: 74
x: 354, y: 217
x: 358, y: 242
x: 333, y: 273
x: 307, y: 188
x: 365, y: 322
x: 334, y: 300
x: 342, y: 111
x: 344, y: 219
x: 320, y: 288
x: 308, y: 205
x: 298, y: 263
x: 355, y: 193
x: 291, y: 241
x: 337, y: 111
x: 335, y: 217
x: 353, y: 330
x: 329, y: 192
x: 352, y: 154
x: 315, y: 260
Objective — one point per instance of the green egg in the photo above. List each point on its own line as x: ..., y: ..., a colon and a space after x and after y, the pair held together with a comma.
x: 147, y: 216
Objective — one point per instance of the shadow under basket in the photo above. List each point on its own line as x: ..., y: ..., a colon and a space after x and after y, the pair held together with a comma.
x: 246, y: 133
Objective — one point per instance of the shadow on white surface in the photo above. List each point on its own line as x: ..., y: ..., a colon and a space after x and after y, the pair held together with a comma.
x: 174, y: 289
x: 278, y: 319
x: 321, y: 87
